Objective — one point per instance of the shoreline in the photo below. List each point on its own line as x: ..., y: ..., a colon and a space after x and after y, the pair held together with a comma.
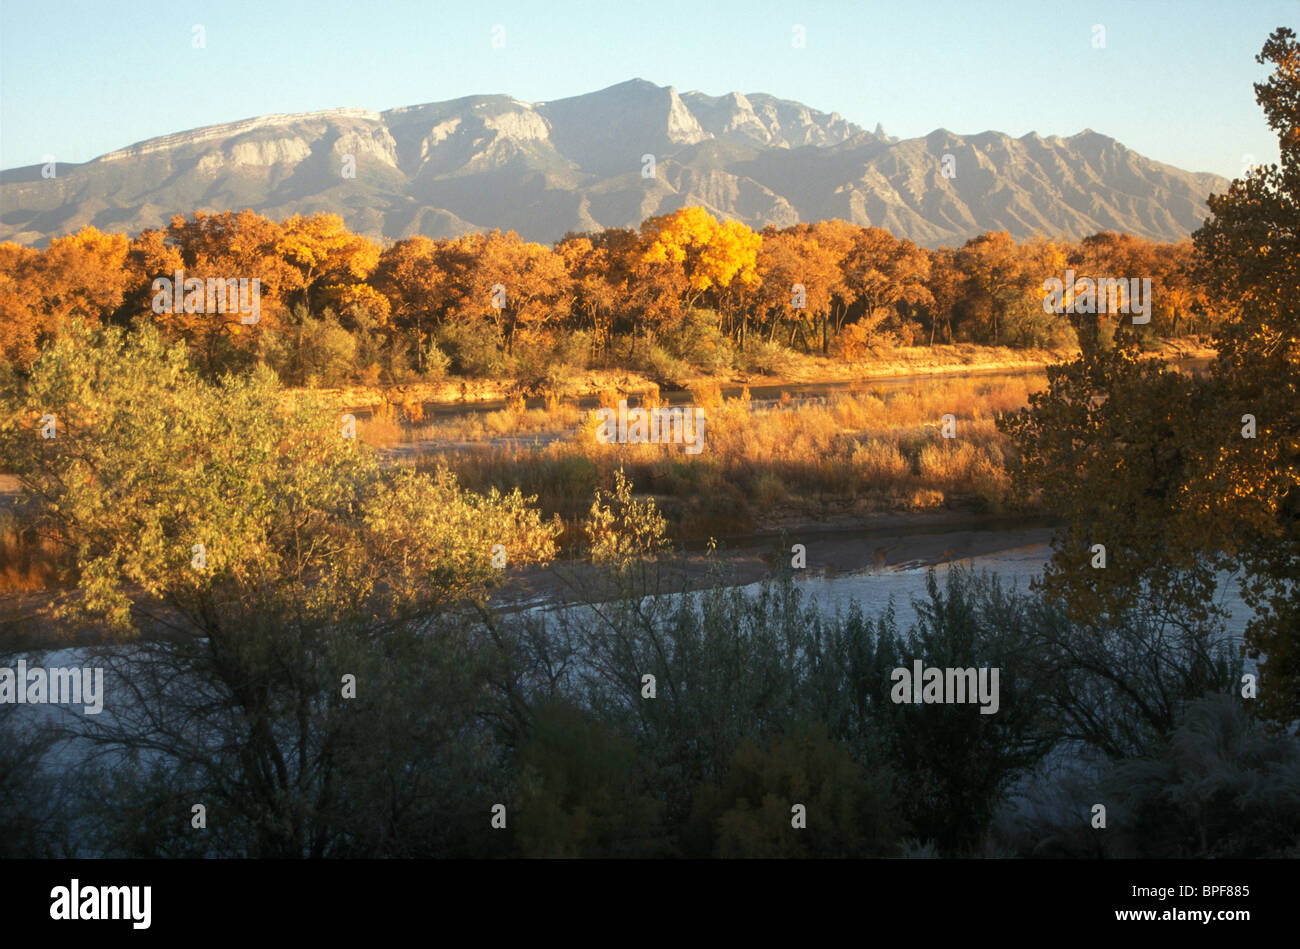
x: 881, y: 542
x: 938, y: 360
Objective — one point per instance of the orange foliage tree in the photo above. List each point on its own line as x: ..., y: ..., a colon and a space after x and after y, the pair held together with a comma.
x: 801, y: 283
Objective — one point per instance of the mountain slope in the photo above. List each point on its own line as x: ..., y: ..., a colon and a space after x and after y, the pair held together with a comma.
x: 546, y: 168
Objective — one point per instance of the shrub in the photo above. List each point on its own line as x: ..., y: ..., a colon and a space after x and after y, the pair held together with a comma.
x: 311, y: 352
x: 623, y: 529
x: 472, y: 349
x: 768, y: 489
x: 581, y: 790
x: 542, y: 360
x: 768, y: 358
x: 849, y: 809
x: 853, y: 343
x: 1219, y: 786
x: 697, y: 340
x: 385, y: 356
x: 1028, y: 325
x: 663, y: 367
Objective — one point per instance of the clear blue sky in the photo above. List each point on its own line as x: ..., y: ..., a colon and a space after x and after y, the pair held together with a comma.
x: 1173, y: 81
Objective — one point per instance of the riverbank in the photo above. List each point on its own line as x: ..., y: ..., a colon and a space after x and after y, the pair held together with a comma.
x: 796, y: 369
x: 872, y: 544
x: 834, y: 456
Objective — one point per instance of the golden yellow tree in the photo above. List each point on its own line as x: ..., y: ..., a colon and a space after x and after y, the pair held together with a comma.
x: 21, y: 325
x: 325, y: 252
x: 706, y: 255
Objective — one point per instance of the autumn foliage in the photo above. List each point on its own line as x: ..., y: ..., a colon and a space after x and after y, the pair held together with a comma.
x: 337, y: 306
x: 1184, y: 478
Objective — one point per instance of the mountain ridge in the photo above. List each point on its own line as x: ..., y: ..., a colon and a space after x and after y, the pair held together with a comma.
x: 584, y: 163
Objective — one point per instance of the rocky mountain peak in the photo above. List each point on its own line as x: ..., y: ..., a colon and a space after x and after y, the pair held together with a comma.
x: 578, y: 163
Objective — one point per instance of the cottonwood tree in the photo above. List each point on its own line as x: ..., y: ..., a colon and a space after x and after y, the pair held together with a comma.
x: 410, y: 277
x: 239, y: 245
x: 946, y: 286
x: 1161, y: 468
x: 786, y: 258
x: 80, y: 276
x: 324, y: 253
x: 1250, y: 249
x: 704, y: 257
x: 594, y: 281
x: 837, y: 237
x: 22, y: 325
x: 505, y: 282
x: 995, y: 278
x: 1119, y: 439
x: 883, y: 273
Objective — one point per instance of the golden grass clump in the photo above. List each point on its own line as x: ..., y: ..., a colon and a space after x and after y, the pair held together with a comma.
x: 880, y: 462
x: 707, y: 395
x: 382, y: 428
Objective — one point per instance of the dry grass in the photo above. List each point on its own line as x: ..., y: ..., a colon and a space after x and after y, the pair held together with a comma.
x: 879, y: 461
x: 28, y: 563
x: 382, y: 428
x: 876, y: 449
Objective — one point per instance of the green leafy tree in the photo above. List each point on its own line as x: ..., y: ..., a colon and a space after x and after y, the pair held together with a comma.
x: 955, y: 761
x: 1119, y: 440
x: 250, y: 556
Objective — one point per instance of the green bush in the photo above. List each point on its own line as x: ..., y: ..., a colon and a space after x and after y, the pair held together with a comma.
x: 698, y: 341
x: 544, y: 360
x: 848, y: 810
x: 1220, y: 786
x: 472, y: 349
x: 1025, y: 324
x: 662, y: 367
x: 768, y: 358
x: 306, y: 351
x: 581, y: 790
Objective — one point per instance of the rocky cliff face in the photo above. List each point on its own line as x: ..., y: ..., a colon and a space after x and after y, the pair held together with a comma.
x: 545, y: 168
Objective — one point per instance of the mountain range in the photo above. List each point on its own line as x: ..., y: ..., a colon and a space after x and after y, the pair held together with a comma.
x: 612, y: 158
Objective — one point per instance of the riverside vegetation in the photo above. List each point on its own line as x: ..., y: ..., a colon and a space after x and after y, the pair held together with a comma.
x: 332, y: 678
